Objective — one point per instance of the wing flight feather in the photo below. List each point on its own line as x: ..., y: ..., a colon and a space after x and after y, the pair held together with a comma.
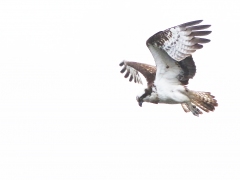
x: 133, y: 69
x: 180, y: 41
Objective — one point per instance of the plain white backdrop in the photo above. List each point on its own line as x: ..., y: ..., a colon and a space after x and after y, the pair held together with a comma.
x: 67, y: 113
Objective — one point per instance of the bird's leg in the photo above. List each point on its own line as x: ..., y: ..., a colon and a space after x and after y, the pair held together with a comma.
x: 193, y: 109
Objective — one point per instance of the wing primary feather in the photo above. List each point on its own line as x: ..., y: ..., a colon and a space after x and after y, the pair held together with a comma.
x: 197, y: 46
x: 121, y: 64
x: 131, y: 78
x: 123, y: 69
x: 192, y: 23
x: 135, y: 79
x: 127, y: 73
x: 200, y: 40
x: 200, y: 33
x: 200, y: 27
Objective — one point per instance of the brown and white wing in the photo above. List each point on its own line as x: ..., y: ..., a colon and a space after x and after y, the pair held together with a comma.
x: 132, y: 69
x: 180, y: 41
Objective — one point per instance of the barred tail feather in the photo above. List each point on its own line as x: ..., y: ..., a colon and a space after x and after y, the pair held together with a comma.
x: 204, y: 100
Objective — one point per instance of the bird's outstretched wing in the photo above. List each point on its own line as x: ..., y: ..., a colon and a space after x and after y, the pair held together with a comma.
x: 180, y: 41
x: 133, y: 69
x: 171, y: 48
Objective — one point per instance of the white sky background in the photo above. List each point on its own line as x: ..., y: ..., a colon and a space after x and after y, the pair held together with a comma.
x: 67, y: 113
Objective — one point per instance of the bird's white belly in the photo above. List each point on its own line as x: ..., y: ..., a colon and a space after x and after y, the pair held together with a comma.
x: 172, y: 94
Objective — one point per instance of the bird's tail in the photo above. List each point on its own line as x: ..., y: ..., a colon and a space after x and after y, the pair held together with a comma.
x: 203, y: 100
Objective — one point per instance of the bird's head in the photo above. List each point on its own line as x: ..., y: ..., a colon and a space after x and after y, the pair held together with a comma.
x: 143, y: 96
x: 139, y: 100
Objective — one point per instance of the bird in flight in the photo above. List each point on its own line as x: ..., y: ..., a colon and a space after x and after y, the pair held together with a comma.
x: 166, y: 82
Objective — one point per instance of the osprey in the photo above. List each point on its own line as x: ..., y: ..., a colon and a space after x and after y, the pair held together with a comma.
x: 166, y: 82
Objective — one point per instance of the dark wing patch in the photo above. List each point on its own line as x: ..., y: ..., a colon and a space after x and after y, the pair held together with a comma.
x: 180, y: 41
x: 188, y: 70
x: 132, y: 68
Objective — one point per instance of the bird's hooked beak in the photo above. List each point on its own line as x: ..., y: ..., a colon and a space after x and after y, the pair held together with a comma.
x: 140, y: 101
